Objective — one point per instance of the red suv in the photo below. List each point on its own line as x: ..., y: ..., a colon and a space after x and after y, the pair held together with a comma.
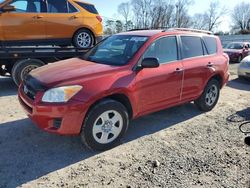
x: 126, y: 76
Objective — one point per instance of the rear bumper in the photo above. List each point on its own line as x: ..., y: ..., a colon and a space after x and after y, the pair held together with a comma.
x: 63, y: 119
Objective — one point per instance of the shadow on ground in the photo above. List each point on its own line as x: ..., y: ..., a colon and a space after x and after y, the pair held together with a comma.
x: 239, y: 84
x: 240, y: 116
x: 27, y: 153
x: 7, y: 87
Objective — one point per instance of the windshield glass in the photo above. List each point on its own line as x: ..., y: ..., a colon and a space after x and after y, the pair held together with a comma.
x: 116, y: 50
x: 234, y: 46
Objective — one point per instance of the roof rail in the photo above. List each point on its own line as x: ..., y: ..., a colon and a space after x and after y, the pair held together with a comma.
x: 150, y: 28
x: 192, y: 30
x: 139, y: 29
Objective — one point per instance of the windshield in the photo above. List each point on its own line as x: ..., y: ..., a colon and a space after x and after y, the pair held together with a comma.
x: 116, y: 50
x: 234, y: 46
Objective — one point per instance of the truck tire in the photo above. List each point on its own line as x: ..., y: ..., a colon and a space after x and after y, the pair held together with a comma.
x: 22, y: 67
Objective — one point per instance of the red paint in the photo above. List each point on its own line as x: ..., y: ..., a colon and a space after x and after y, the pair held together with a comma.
x: 148, y: 90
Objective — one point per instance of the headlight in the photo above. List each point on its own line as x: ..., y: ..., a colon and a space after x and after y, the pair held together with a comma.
x: 61, y: 94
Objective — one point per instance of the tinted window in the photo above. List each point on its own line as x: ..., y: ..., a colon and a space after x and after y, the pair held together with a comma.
x: 56, y: 6
x: 164, y: 49
x: 191, y: 46
x: 116, y: 50
x: 89, y: 8
x: 72, y: 9
x: 27, y: 5
x: 211, y: 44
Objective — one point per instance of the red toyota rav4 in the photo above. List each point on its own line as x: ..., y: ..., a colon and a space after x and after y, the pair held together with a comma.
x: 124, y: 77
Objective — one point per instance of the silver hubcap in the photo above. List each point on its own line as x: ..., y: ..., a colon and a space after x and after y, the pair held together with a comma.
x: 27, y: 70
x: 211, y: 95
x: 107, y: 127
x: 84, y: 40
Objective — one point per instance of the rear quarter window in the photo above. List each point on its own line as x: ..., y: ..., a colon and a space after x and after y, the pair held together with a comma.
x: 191, y: 46
x: 211, y: 45
x: 88, y: 7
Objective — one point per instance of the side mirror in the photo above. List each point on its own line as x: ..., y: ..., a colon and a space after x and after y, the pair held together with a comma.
x: 150, y: 63
x: 8, y: 8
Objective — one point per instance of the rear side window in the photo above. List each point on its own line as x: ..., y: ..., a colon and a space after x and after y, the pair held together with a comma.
x: 211, y: 45
x: 89, y: 8
x: 55, y: 6
x: 191, y: 46
x: 164, y: 49
x: 72, y: 9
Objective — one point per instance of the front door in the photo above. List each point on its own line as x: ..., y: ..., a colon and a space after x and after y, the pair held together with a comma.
x: 23, y: 24
x: 159, y: 88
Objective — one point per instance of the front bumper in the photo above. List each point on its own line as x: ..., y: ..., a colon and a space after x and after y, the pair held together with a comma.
x: 63, y: 119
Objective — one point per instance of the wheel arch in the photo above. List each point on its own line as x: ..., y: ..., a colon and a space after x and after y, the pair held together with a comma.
x: 119, y: 97
x: 217, y: 77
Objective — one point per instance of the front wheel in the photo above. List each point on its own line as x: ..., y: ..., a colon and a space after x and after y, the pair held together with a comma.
x: 105, y: 125
x: 209, y: 97
x: 83, y: 39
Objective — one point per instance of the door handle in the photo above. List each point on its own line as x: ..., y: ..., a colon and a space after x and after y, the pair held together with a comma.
x: 179, y: 70
x: 75, y: 17
x: 209, y: 65
x: 38, y: 17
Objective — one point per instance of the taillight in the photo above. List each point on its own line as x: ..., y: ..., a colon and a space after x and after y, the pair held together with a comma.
x: 99, y: 18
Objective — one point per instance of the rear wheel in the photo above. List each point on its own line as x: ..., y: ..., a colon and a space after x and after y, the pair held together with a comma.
x: 105, y: 125
x: 22, y: 68
x: 209, y: 97
x: 83, y: 39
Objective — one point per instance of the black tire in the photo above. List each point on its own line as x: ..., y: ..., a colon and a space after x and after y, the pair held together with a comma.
x: 23, y: 67
x: 94, y: 116
x: 202, y: 102
x: 84, y: 43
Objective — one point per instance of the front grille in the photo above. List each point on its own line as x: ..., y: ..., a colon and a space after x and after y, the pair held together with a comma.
x: 31, y: 86
x: 29, y: 92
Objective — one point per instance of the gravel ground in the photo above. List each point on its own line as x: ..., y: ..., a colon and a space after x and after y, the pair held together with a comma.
x: 177, y: 147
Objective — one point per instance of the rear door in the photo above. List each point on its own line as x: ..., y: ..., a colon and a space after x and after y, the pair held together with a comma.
x: 23, y: 24
x: 62, y: 19
x: 198, y: 65
x: 158, y: 88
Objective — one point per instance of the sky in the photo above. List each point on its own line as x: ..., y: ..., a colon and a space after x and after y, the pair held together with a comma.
x: 108, y: 9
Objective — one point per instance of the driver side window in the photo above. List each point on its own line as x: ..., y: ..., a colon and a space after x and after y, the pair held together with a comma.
x: 27, y: 6
x: 164, y: 49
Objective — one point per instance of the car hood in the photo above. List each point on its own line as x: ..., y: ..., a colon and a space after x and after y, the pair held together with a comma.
x: 232, y: 50
x: 69, y: 70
